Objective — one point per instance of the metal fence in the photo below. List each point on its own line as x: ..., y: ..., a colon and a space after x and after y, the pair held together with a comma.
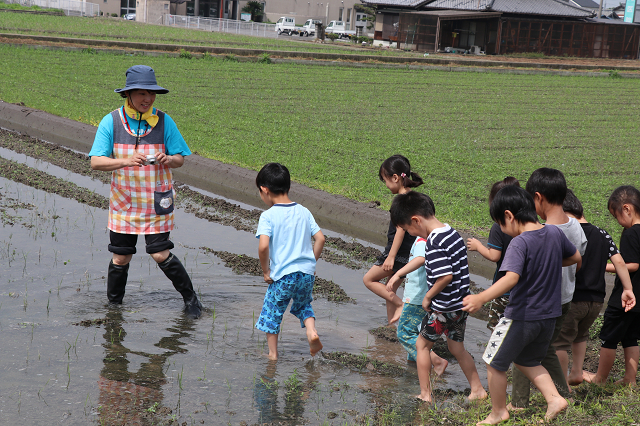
x: 222, y: 25
x: 69, y: 7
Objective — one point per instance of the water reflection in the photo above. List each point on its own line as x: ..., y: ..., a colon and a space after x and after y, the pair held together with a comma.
x: 131, y: 397
x: 293, y: 390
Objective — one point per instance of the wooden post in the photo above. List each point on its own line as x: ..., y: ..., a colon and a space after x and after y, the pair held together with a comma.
x: 435, y: 48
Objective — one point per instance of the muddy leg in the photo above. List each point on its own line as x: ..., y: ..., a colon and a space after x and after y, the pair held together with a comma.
x: 630, y: 366
x: 498, y: 389
x: 312, y: 336
x: 372, y: 281
x: 468, y: 367
x: 272, y: 342
x: 605, y: 364
x: 578, y: 351
x: 540, y: 377
x: 423, y: 361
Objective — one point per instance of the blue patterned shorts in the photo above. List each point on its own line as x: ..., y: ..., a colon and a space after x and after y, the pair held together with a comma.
x: 297, y: 286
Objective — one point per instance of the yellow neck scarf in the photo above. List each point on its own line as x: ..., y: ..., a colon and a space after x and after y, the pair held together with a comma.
x: 148, y: 116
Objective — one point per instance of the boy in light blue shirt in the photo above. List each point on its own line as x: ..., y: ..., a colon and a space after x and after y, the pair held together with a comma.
x: 287, y: 258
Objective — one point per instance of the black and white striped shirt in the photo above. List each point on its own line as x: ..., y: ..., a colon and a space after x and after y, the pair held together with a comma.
x: 446, y: 254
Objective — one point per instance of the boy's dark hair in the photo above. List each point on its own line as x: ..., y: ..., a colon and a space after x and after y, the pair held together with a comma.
x: 397, y: 165
x: 509, y: 180
x: 411, y: 204
x: 548, y: 182
x: 517, y: 201
x: 624, y: 195
x: 275, y: 177
x: 572, y: 205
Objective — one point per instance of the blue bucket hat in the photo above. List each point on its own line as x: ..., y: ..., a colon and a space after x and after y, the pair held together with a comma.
x: 142, y: 77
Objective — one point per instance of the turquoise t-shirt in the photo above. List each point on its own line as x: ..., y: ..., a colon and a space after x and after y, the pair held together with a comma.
x: 416, y: 286
x: 103, y: 143
x: 289, y: 228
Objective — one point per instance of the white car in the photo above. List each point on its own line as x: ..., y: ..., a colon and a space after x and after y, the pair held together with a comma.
x: 130, y: 16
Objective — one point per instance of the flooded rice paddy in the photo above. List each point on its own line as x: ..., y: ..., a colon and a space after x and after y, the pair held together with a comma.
x: 67, y: 358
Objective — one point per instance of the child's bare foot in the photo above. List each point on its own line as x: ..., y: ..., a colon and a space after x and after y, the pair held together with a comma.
x: 511, y: 407
x: 395, y: 316
x: 575, y: 380
x: 425, y: 397
x: 272, y: 357
x: 440, y: 367
x: 314, y: 344
x: 558, y: 405
x: 479, y: 396
x: 625, y: 382
x: 494, y: 419
x: 589, y: 377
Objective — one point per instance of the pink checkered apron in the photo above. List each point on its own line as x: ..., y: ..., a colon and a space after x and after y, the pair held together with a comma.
x: 141, y: 199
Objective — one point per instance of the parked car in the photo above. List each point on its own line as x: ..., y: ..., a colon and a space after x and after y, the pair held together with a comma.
x: 130, y: 16
x: 286, y: 25
x: 338, y: 27
x: 309, y: 27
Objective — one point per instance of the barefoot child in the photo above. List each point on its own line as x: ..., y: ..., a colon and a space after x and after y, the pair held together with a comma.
x: 622, y: 316
x: 588, y: 297
x: 495, y: 250
x: 285, y: 231
x: 448, y: 281
x: 396, y: 173
x: 412, y: 313
x: 548, y: 188
x: 533, y: 265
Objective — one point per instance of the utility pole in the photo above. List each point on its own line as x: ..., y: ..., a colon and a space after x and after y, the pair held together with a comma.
x: 600, y: 9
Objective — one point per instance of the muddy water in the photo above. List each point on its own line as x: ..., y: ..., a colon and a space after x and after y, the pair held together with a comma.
x: 67, y: 358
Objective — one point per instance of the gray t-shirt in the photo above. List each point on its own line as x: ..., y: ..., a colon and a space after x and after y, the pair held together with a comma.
x: 537, y: 257
x: 575, y: 234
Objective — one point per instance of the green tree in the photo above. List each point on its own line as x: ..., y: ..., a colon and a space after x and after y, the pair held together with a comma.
x: 255, y: 9
x: 370, y: 11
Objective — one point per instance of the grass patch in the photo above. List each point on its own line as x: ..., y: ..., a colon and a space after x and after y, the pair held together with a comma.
x: 334, y: 127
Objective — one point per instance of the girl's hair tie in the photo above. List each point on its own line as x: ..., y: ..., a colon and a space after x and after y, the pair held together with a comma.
x: 403, y: 175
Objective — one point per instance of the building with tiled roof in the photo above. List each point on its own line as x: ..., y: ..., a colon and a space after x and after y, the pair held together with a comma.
x: 552, y: 27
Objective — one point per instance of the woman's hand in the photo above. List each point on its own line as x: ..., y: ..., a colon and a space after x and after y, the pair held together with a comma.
x: 172, y: 161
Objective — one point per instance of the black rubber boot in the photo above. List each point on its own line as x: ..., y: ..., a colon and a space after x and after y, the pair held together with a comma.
x: 173, y: 269
x: 116, y: 281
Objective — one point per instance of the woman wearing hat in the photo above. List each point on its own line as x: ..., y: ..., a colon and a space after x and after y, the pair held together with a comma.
x: 140, y: 145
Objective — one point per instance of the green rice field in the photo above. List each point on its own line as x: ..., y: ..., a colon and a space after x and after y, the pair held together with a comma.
x: 334, y: 126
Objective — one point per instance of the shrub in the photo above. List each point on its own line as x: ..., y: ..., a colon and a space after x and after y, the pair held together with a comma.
x: 115, y: 15
x: 264, y: 58
x: 185, y: 55
x: 332, y: 36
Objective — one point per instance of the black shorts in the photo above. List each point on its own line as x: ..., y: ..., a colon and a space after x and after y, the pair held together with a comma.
x: 125, y: 244
x: 620, y: 326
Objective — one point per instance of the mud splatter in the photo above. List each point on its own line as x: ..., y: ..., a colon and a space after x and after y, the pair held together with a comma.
x: 363, y: 362
x: 242, y: 264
